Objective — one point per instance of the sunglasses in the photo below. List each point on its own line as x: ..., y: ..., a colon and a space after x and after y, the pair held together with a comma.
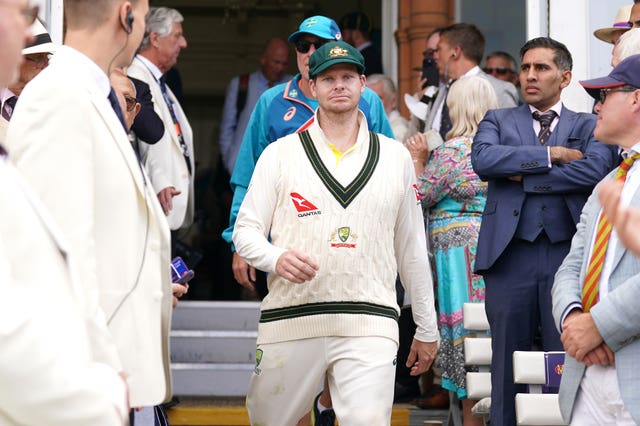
x: 428, y: 54
x: 605, y: 92
x: 498, y: 70
x: 131, y: 102
x: 303, y: 46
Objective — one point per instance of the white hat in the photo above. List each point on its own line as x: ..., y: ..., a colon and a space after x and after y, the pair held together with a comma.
x: 42, y: 42
x: 621, y: 23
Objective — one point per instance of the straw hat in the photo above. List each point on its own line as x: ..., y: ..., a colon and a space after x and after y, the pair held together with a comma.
x: 42, y: 42
x: 621, y: 23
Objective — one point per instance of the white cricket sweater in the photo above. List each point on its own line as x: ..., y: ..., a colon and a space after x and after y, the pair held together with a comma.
x: 359, y: 218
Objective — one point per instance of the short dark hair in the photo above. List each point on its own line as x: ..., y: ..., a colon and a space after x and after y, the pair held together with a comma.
x: 561, y: 55
x: 468, y: 37
x: 507, y: 57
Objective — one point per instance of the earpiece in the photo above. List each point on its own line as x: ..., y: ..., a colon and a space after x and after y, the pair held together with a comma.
x: 453, y: 55
x: 127, y: 26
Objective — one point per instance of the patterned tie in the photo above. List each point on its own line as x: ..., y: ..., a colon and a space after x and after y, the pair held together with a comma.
x: 590, y: 288
x: 176, y: 123
x: 445, y: 121
x: 545, y: 125
x: 8, y: 107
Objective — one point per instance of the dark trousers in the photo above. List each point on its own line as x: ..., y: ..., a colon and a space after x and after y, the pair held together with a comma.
x: 407, y: 329
x: 518, y: 305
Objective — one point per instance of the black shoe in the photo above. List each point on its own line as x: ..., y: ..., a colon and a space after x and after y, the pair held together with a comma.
x: 325, y: 418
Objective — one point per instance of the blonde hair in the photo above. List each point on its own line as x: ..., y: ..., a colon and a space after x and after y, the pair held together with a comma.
x: 468, y: 100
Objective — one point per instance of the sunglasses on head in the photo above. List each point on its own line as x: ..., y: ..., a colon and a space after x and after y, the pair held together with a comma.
x: 131, y: 102
x: 303, y: 46
x: 497, y: 70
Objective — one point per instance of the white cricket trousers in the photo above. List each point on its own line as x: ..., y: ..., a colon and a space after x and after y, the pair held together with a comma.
x: 287, y: 376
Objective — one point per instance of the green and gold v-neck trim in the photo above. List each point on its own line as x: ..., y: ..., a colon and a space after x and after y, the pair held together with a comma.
x: 343, y: 195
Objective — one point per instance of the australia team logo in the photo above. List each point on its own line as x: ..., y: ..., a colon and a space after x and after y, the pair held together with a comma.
x: 257, y: 370
x: 343, y: 233
x: 304, y: 206
x: 343, y: 237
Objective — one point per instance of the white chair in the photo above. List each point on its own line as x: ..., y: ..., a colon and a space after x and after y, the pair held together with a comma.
x: 477, y: 351
x: 538, y: 370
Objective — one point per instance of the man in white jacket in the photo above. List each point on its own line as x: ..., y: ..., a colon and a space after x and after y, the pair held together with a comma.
x: 170, y: 161
x: 50, y: 369
x: 68, y: 139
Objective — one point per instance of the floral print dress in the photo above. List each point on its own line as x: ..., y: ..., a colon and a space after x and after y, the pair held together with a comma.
x: 453, y: 198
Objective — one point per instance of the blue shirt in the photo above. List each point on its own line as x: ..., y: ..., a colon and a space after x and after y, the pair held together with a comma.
x: 280, y: 111
x: 234, y: 122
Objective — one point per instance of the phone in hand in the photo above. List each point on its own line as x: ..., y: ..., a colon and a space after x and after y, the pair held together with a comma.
x: 180, y: 272
x: 430, y: 72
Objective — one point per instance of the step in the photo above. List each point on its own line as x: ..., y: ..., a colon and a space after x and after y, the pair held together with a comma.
x: 213, y: 346
x: 215, y: 315
x: 219, y: 413
x: 210, y: 379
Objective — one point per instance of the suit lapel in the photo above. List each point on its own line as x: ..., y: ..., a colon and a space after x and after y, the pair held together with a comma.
x: 440, y: 98
x: 620, y: 250
x: 120, y: 138
x: 562, y: 130
x: 524, y: 123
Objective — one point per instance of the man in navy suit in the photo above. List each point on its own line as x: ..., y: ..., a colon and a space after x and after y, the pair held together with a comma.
x: 542, y: 162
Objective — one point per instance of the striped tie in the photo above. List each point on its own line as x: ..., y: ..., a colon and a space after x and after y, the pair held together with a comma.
x: 603, y: 232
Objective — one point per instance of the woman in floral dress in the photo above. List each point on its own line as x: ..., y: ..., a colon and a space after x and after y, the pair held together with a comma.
x: 453, y: 198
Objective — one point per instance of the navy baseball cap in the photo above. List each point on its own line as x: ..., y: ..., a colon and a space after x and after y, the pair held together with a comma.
x: 320, y: 26
x: 336, y: 52
x: 626, y: 73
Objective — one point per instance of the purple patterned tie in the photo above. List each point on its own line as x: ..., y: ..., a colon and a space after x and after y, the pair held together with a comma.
x: 545, y: 125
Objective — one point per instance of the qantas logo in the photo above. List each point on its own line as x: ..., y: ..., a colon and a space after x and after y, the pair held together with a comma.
x: 303, y: 206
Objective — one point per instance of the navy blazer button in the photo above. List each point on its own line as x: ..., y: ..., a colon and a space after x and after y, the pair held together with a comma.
x: 516, y: 212
x: 539, y: 224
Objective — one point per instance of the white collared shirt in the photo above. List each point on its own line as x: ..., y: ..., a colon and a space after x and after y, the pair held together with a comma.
x: 536, y: 124
x: 631, y: 185
x: 157, y: 74
x: 5, y: 94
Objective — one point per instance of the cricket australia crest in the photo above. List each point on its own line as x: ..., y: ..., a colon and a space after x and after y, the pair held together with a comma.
x: 343, y: 238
